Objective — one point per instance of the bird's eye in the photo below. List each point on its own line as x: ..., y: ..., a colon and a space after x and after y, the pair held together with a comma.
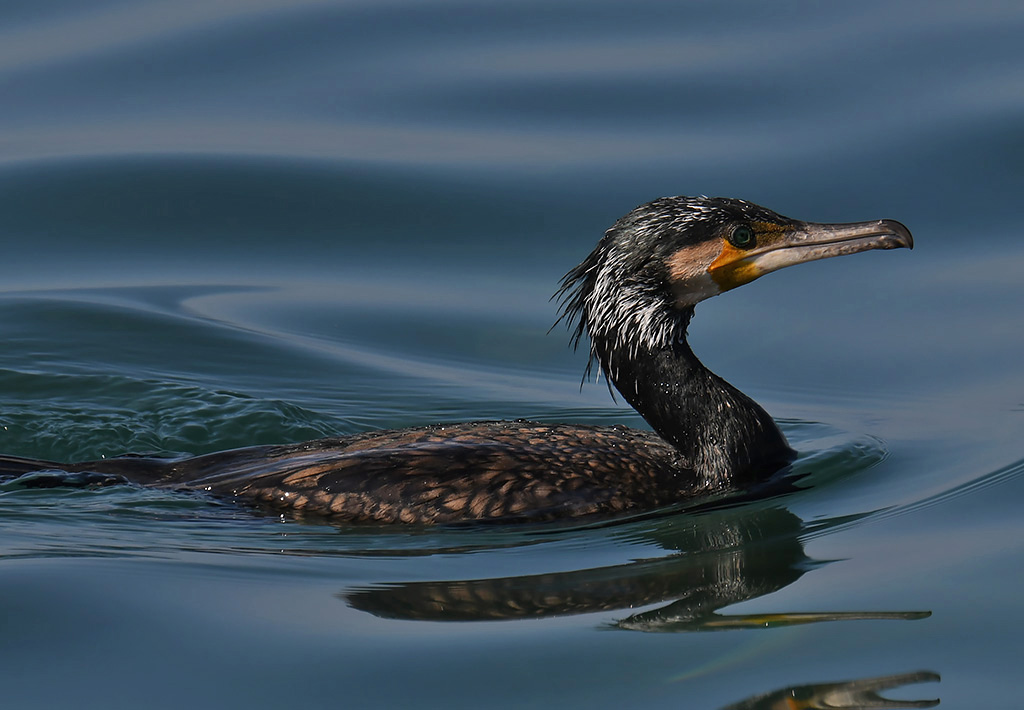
x: 742, y: 237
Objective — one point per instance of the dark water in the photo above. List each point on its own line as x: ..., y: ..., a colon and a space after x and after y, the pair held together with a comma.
x: 248, y: 222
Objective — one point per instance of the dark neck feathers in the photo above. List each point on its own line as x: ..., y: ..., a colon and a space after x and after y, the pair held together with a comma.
x: 721, y: 433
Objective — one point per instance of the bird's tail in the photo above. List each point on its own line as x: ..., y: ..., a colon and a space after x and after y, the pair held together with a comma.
x: 18, y: 466
x: 39, y: 473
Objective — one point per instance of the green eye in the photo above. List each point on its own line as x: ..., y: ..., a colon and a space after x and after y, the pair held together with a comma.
x: 742, y: 237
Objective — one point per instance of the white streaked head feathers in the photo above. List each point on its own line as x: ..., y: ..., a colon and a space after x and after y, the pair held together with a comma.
x: 620, y: 295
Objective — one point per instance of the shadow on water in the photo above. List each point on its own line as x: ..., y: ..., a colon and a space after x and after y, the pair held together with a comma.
x: 715, y: 560
x: 852, y: 694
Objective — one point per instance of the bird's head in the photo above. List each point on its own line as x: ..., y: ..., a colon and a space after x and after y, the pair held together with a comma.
x: 638, y: 287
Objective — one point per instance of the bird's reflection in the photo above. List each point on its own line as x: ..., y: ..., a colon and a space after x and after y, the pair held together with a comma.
x: 861, y: 694
x: 716, y: 559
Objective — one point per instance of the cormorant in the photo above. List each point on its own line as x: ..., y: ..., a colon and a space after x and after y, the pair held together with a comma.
x: 633, y: 297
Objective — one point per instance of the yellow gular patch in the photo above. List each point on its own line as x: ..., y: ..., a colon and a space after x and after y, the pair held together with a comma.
x: 733, y: 268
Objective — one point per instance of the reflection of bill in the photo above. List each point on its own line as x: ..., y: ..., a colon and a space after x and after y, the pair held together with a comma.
x: 716, y: 559
x: 860, y: 694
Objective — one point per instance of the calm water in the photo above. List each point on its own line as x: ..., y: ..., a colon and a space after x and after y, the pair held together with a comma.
x: 262, y: 221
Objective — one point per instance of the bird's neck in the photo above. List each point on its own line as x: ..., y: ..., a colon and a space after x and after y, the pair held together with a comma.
x: 721, y: 433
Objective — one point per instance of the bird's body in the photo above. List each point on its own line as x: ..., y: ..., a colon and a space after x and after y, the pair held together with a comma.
x: 633, y: 297
x: 498, y: 470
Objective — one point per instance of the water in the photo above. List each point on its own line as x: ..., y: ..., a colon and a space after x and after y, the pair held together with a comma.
x: 249, y: 222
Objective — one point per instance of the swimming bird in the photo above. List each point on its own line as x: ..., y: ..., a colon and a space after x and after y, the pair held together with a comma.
x: 633, y: 298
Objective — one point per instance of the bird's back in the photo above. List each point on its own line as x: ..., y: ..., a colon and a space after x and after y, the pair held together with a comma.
x: 433, y: 474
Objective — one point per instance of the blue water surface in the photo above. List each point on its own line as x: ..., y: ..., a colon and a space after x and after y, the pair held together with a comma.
x: 256, y: 221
